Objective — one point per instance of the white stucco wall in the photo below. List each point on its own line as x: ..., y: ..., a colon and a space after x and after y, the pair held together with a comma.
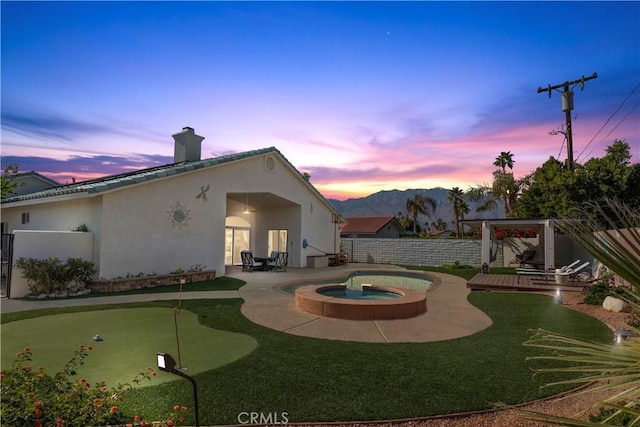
x: 309, y: 219
x: 46, y: 244
x: 139, y: 234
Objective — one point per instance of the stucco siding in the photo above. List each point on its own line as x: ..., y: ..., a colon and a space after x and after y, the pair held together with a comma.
x: 141, y: 234
x: 178, y: 221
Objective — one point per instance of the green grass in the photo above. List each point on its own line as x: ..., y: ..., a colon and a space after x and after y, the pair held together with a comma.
x: 465, y: 273
x: 323, y: 380
x: 131, y: 338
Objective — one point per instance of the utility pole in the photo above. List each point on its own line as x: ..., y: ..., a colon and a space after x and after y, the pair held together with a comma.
x: 567, y: 106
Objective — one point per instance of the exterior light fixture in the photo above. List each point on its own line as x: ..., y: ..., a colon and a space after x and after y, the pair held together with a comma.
x: 168, y: 364
x: 622, y: 335
x: 558, y: 297
x: 246, y: 204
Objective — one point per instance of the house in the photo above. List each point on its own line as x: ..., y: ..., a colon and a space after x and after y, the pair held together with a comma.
x: 30, y: 182
x: 372, y: 226
x: 192, y: 212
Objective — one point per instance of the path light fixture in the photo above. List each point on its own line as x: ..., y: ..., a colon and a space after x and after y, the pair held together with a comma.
x: 168, y: 364
x: 558, y: 296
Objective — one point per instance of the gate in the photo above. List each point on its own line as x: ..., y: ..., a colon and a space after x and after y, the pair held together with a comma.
x: 7, y: 262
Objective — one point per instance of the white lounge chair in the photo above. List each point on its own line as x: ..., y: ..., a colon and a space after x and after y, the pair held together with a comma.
x: 571, y: 273
x: 564, y: 268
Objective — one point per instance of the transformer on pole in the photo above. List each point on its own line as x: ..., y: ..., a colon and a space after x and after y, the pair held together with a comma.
x: 567, y: 106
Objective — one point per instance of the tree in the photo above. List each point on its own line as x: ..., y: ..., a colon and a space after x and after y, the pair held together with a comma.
x: 554, y: 191
x: 7, y: 179
x: 505, y: 187
x: 418, y: 205
x: 456, y: 198
x: 504, y: 160
x: 549, y: 194
x: 439, y: 225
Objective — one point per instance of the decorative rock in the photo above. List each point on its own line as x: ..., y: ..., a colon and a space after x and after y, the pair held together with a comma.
x: 614, y: 304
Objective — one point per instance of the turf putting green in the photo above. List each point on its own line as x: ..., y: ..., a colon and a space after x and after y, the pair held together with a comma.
x: 131, y: 339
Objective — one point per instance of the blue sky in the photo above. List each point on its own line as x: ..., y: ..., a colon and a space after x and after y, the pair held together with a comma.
x: 364, y: 96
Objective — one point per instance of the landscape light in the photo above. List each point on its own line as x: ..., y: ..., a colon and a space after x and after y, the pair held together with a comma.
x: 168, y: 364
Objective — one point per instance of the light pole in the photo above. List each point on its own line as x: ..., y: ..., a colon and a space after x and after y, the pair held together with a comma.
x: 168, y: 364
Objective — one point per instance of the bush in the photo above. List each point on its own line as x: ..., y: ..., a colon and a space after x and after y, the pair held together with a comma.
x: 604, y: 414
x: 50, y: 275
x: 30, y: 397
x: 600, y: 289
x: 455, y: 266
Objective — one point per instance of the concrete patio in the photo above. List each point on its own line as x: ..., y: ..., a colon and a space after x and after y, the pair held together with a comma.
x: 449, y: 315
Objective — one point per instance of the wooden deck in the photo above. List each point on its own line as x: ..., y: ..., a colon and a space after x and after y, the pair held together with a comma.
x: 509, y: 282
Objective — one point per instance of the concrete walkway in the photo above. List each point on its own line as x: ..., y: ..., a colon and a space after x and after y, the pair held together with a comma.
x: 448, y: 315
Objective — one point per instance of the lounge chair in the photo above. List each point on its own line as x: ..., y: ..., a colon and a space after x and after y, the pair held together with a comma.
x: 525, y: 256
x: 564, y: 268
x: 571, y: 273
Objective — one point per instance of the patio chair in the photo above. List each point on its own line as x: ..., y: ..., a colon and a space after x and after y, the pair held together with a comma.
x: 249, y: 263
x: 279, y: 262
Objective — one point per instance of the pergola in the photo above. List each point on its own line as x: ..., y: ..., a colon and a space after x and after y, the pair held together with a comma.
x: 545, y: 229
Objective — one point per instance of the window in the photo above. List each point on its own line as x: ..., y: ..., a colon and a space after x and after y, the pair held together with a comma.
x: 25, y: 217
x: 277, y: 241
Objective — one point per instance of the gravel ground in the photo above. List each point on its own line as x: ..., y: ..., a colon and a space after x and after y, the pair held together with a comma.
x: 570, y: 406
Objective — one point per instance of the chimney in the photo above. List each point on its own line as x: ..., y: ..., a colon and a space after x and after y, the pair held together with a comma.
x: 187, y: 145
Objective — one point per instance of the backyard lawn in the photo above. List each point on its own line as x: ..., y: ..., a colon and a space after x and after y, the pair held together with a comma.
x: 321, y: 380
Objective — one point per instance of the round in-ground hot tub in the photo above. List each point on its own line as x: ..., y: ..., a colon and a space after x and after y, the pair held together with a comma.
x: 399, y: 304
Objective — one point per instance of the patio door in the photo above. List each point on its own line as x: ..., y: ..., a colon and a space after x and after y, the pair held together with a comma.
x: 235, y: 241
x: 277, y: 241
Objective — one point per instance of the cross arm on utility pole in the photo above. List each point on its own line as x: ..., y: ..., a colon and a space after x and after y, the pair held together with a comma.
x: 566, y: 85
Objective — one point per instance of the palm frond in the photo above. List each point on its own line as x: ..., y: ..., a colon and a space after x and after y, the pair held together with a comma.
x: 610, y: 231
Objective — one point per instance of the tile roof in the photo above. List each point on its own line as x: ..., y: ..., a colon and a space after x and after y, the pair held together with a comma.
x: 366, y: 224
x: 112, y: 182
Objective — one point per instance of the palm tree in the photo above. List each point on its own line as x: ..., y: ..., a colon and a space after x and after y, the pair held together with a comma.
x: 456, y: 198
x: 610, y: 231
x: 504, y: 187
x: 418, y: 205
x: 439, y: 225
x: 504, y: 160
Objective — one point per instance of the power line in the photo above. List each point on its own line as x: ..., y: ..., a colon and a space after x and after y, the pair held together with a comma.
x: 567, y: 106
x: 609, y: 119
x: 616, y: 126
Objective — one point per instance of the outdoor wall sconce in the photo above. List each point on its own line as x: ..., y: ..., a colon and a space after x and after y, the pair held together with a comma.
x: 168, y: 364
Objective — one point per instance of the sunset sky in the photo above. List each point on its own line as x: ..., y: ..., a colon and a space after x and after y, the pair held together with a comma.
x: 363, y: 96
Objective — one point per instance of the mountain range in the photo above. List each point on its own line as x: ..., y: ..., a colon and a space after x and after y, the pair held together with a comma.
x: 392, y: 202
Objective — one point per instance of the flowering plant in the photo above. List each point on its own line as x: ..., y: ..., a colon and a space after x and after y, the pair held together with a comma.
x: 30, y: 397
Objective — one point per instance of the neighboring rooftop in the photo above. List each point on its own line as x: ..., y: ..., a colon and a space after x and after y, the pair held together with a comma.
x: 367, y: 224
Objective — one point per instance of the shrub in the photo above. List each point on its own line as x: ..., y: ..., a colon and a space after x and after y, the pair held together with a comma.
x: 46, y: 276
x: 610, y: 417
x: 30, y: 397
x: 455, y: 266
x: 600, y: 289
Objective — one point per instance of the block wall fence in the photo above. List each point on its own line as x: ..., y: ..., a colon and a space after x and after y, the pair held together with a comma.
x: 418, y: 252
